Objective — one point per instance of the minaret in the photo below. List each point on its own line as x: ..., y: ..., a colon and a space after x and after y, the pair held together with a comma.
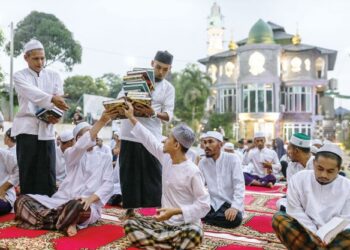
x: 215, y: 30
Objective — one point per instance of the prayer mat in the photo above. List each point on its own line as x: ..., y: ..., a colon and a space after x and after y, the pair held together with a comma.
x: 260, y: 203
x: 277, y: 189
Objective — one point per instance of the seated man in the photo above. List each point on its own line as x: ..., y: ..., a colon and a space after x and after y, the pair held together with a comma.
x: 10, y: 141
x: 185, y: 200
x: 263, y: 160
x: 9, y: 177
x: 82, y: 194
x: 224, y: 178
x: 314, y: 197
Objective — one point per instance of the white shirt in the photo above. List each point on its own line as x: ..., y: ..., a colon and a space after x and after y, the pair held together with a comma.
x: 224, y: 179
x: 192, y: 155
x: 313, y: 204
x: 13, y: 150
x: 104, y: 149
x: 35, y: 92
x: 9, y: 173
x: 60, y: 165
x: 116, y: 178
x: 163, y: 100
x: 182, y: 184
x: 257, y: 157
x: 87, y: 173
x: 295, y: 167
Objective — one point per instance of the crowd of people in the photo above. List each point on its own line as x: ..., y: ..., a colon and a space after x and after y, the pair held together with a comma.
x: 63, y: 183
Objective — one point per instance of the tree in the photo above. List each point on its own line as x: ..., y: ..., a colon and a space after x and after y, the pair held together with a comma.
x: 2, y: 39
x: 113, y: 83
x: 53, y: 34
x: 224, y: 120
x: 192, y: 90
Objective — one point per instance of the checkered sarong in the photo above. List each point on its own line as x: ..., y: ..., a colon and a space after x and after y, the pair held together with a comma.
x: 147, y: 233
x: 295, y: 237
x: 31, y: 214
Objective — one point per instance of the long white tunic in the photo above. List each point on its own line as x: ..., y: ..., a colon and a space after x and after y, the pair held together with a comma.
x: 182, y: 184
x: 61, y: 171
x: 225, y: 180
x: 104, y: 149
x: 87, y: 173
x: 163, y: 100
x: 313, y: 204
x: 295, y: 167
x: 258, y: 157
x: 9, y: 173
x: 35, y: 92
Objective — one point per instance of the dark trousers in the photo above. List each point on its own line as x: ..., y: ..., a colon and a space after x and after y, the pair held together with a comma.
x: 217, y: 218
x: 37, y: 165
x: 5, y: 207
x: 140, y: 176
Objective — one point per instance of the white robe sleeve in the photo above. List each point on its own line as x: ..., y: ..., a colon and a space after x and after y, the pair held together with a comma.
x: 105, y: 191
x: 295, y: 208
x: 169, y: 103
x: 73, y: 154
x: 201, y: 206
x: 10, y: 162
x: 31, y: 92
x: 238, y: 185
x: 247, y: 158
x: 345, y: 212
x: 148, y: 140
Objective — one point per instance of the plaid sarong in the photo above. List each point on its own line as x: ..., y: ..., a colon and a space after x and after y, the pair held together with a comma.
x: 145, y: 232
x: 31, y: 214
x: 294, y: 236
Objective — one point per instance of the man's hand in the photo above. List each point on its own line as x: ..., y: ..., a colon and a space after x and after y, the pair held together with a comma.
x: 230, y: 214
x: 2, y: 194
x: 59, y: 102
x: 129, y: 113
x: 86, y: 202
x: 166, y: 213
x: 53, y: 120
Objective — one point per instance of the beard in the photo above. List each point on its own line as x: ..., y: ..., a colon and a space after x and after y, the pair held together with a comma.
x: 157, y: 79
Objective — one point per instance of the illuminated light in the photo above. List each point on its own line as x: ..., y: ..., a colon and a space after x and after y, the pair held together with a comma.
x: 307, y: 63
x: 212, y: 70
x: 296, y: 64
x: 229, y: 69
x: 256, y: 63
x: 319, y: 86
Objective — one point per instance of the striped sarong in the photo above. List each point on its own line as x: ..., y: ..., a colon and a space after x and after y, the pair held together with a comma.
x: 145, y: 232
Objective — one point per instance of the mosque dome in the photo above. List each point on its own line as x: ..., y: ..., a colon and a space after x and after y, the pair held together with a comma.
x: 261, y: 32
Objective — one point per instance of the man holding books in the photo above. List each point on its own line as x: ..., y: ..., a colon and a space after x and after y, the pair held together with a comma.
x: 314, y: 199
x: 140, y: 171
x: 37, y: 88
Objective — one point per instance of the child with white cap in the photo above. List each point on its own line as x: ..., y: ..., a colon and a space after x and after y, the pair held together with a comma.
x: 185, y: 199
x: 264, y: 162
x: 315, y: 197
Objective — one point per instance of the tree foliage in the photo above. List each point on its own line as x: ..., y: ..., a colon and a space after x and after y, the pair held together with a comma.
x: 192, y: 89
x: 224, y: 120
x: 53, y: 34
x: 2, y: 39
x: 113, y: 83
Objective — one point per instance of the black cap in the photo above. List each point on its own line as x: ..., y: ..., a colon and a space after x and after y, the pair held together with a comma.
x: 164, y: 57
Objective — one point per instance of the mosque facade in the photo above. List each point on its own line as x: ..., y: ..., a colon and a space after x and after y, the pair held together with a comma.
x: 270, y: 81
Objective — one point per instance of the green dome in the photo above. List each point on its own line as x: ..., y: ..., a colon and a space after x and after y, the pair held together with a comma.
x: 261, y: 32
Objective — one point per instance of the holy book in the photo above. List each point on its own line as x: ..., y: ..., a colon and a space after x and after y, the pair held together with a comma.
x: 46, y: 114
x: 331, y: 229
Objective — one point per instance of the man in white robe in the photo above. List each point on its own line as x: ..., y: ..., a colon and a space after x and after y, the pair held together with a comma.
x: 315, y: 197
x: 224, y: 178
x: 82, y: 194
x: 184, y: 198
x: 37, y: 88
x: 9, y: 178
x: 10, y: 142
x: 264, y: 161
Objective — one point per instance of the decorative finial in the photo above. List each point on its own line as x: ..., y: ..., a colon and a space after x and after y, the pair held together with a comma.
x: 296, y: 39
x: 232, y: 45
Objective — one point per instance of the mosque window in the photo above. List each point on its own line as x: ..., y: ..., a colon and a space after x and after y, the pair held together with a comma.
x: 256, y: 63
x: 319, y: 65
x: 307, y: 63
x: 212, y: 71
x: 229, y: 69
x: 296, y: 98
x: 257, y: 98
x: 296, y: 64
x: 227, y: 100
x: 290, y: 128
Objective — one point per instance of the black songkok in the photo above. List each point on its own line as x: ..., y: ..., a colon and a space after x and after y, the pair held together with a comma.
x: 164, y: 57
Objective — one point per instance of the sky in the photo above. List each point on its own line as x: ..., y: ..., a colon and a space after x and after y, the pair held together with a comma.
x: 116, y: 34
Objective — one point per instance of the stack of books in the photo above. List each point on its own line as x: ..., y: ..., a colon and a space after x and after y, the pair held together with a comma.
x: 137, y: 86
x: 46, y: 114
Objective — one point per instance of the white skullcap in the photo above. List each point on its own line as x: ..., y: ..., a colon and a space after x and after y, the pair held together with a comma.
x: 300, y: 140
x: 259, y: 135
x: 184, y: 135
x: 331, y: 148
x: 116, y: 133
x: 229, y: 145
x: 202, y: 136
x: 214, y: 134
x: 314, y: 150
x: 79, y: 127
x: 325, y: 141
x: 32, y: 44
x: 317, y: 141
x: 66, y: 135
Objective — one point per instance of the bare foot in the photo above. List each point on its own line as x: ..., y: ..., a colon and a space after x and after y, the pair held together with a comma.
x: 269, y: 185
x: 72, y: 230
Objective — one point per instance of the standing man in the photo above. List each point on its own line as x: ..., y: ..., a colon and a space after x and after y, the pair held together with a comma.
x: 140, y: 171
x: 264, y: 161
x: 36, y: 88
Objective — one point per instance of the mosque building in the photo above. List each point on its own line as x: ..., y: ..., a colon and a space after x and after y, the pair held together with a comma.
x: 270, y: 81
